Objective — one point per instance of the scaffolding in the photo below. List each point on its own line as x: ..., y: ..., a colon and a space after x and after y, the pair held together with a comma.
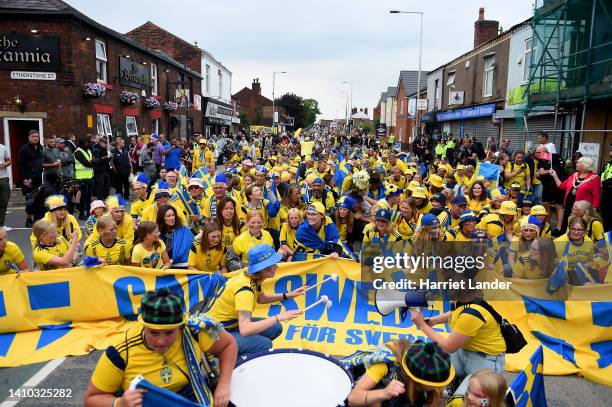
x: 571, y: 58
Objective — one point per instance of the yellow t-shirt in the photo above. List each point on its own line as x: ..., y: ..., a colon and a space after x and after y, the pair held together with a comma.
x: 148, y: 258
x: 521, y: 177
x: 483, y: 330
x: 150, y: 213
x: 595, y: 230
x: 65, y: 230
x: 118, y: 253
x: 126, y: 359
x: 491, y: 224
x: 42, y: 254
x: 240, y: 294
x: 287, y: 236
x: 584, y: 252
x: 228, y: 233
x: 210, y: 261
x: 475, y: 205
x: 125, y: 231
x: 371, y: 235
x: 138, y: 206
x: 10, y: 255
x: 377, y: 372
x: 243, y: 243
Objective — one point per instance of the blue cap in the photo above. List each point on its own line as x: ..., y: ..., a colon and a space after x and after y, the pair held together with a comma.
x: 261, y: 168
x: 440, y: 197
x: 383, y: 214
x: 459, y: 200
x: 220, y: 179
x: 467, y: 216
x: 317, y: 180
x: 430, y: 220
x: 142, y: 178
x: 154, y: 136
x: 534, y: 220
x: 262, y: 256
x: 346, y: 203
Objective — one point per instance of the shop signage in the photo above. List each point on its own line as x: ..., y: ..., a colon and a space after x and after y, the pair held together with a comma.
x: 467, y: 113
x: 422, y: 104
x: 37, y: 76
x: 29, y: 52
x: 214, y: 110
x: 381, y: 129
x: 133, y: 74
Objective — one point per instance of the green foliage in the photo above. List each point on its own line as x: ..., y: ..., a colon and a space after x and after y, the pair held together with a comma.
x: 311, y: 110
x: 303, y: 111
x: 244, y: 119
x: 258, y: 116
x: 366, y: 127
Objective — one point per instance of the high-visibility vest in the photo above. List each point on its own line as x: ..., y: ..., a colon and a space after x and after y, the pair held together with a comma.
x: 80, y: 171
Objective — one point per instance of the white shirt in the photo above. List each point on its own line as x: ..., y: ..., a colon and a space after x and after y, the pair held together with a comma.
x: 551, y: 148
x: 4, y: 156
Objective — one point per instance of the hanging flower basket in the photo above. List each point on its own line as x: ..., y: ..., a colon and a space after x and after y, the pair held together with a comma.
x: 128, y: 98
x: 151, y: 103
x: 170, y: 106
x: 94, y: 90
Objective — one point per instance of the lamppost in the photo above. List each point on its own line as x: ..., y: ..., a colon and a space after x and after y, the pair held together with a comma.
x: 273, y: 107
x: 346, y: 109
x: 420, y: 13
x: 350, y: 104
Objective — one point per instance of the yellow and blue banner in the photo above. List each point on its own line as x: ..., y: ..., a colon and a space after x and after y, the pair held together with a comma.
x: 52, y: 314
x: 528, y: 385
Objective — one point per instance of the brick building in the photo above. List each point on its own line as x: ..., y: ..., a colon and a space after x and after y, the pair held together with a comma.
x: 257, y: 106
x: 52, y: 50
x: 406, y: 104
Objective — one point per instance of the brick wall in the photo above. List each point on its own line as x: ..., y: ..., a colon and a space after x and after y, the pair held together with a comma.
x: 154, y: 37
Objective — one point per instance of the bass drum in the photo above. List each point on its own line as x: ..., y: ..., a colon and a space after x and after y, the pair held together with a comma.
x: 290, y: 377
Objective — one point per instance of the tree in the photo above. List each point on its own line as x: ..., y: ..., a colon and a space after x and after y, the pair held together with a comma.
x: 311, y: 110
x: 292, y: 104
x: 244, y: 119
x: 366, y: 127
x: 258, y: 115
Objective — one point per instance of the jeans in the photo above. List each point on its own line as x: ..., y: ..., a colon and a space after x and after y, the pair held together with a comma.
x: 122, y: 184
x: 467, y: 362
x: 5, y: 194
x: 537, y: 193
x: 260, y: 342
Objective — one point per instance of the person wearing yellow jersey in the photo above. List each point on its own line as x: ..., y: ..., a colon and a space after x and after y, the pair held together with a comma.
x: 383, y: 231
x: 318, y: 193
x: 160, y: 347
x: 421, y: 201
x: 292, y: 198
x: 460, y: 176
x: 397, y: 178
x: 237, y: 256
x: 508, y: 217
x: 172, y: 181
x: 235, y: 305
x: 518, y: 171
x: 344, y: 219
x: 435, y: 184
x: 162, y: 198
x: 208, y: 252
x: 520, y: 254
x: 116, y: 210
x: 400, y: 373
x: 584, y: 209
x: 150, y: 251
x: 287, y: 234
x: 475, y: 341
x: 539, y: 212
x: 576, y: 249
x: 51, y: 250
x: 449, y: 219
x: 199, y: 155
x: 393, y: 162
x: 255, y: 201
x: 143, y: 199
x: 64, y: 222
x: 467, y: 226
x: 408, y: 220
x: 228, y: 220
x: 190, y: 204
x: 477, y: 196
x: 318, y: 236
x: 11, y: 256
x: 110, y: 249
x: 211, y: 205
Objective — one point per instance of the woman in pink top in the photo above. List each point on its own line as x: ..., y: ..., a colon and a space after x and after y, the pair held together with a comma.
x: 584, y: 184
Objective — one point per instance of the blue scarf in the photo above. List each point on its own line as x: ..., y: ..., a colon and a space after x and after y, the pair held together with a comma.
x: 182, y: 239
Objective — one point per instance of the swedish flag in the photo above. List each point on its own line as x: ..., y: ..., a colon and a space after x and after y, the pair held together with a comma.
x: 157, y: 396
x: 528, y: 386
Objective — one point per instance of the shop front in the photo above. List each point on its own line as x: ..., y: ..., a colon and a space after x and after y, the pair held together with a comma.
x: 218, y: 117
x: 475, y: 121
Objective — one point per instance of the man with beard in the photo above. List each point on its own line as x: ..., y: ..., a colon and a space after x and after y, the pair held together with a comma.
x: 29, y: 160
x: 450, y: 219
x: 101, y: 168
x: 318, y: 193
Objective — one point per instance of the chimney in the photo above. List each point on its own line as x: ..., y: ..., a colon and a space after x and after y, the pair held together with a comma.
x: 256, y: 86
x: 484, y: 30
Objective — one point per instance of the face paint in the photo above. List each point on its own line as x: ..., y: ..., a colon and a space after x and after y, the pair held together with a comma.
x: 486, y: 402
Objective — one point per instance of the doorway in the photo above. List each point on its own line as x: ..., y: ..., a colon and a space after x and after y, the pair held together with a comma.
x: 16, y: 135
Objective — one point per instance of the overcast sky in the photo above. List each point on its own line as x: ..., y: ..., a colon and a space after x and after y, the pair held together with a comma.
x: 320, y: 43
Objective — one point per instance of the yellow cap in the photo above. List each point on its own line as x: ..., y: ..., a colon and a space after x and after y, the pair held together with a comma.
x: 413, y: 185
x: 316, y: 207
x: 419, y: 192
x: 538, y: 210
x: 435, y: 180
x: 507, y: 208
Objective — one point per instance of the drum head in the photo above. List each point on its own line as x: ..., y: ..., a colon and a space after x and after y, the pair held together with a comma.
x: 290, y: 378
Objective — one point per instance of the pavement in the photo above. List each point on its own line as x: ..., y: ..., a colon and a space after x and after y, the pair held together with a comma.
x: 74, y: 373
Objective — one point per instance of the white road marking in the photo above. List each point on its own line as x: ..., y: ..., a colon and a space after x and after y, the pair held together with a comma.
x: 34, y: 381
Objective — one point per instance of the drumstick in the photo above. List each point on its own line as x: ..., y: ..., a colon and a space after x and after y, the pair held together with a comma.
x: 333, y: 277
x: 324, y: 300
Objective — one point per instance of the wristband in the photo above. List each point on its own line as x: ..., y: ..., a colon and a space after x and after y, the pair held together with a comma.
x: 284, y: 296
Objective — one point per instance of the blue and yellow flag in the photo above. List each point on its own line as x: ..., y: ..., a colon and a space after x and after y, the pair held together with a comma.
x: 528, y: 385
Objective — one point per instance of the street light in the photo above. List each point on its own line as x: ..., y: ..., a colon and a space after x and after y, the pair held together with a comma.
x: 273, y: 108
x: 346, y: 108
x: 350, y: 104
x: 420, y: 13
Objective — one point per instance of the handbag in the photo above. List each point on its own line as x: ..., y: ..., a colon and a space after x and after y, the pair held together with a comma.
x: 515, y: 341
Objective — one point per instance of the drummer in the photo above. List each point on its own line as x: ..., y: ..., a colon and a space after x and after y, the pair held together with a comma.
x: 155, y: 348
x: 234, y: 307
x: 405, y: 374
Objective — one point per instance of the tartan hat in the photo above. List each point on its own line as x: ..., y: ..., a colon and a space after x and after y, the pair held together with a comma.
x: 162, y: 309
x: 428, y: 364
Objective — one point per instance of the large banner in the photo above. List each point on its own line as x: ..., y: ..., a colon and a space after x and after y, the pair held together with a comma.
x: 52, y: 314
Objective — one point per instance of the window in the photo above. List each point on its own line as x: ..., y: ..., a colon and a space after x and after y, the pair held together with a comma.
x: 402, y: 107
x: 437, y: 94
x: 155, y: 126
x: 208, y: 79
x: 131, y: 126
x: 101, y: 61
x: 220, y: 84
x: 103, y: 125
x: 153, y: 79
x: 487, y: 89
x: 181, y: 81
x: 527, y: 59
x: 450, y: 82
